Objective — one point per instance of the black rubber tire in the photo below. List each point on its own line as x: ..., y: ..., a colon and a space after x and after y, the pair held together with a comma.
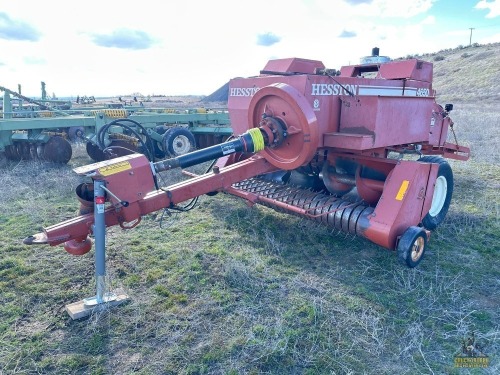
x: 411, y: 246
x: 178, y: 141
x: 431, y: 221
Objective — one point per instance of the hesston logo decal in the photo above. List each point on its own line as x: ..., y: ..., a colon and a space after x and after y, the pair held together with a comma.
x: 317, y: 89
x: 325, y: 89
x: 330, y: 89
x: 243, y: 91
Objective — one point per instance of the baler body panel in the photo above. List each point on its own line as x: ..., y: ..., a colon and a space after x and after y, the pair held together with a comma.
x: 381, y: 118
x: 401, y: 204
x: 293, y: 65
x: 412, y: 69
x: 351, y: 112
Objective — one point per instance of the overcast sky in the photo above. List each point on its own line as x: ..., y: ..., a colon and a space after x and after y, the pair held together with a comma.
x: 192, y: 47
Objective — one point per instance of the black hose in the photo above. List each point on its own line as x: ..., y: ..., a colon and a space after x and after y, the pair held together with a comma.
x: 148, y: 148
x: 192, y: 203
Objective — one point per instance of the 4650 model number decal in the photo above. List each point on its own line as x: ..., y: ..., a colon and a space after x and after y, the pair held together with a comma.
x: 423, y: 92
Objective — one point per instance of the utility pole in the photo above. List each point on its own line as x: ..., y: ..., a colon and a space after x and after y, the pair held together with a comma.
x: 470, y: 39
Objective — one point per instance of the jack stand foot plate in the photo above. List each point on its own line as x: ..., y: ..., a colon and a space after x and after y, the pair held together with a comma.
x: 81, y: 309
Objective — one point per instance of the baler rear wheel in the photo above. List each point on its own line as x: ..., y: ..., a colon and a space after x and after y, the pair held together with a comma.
x: 411, y: 246
x: 178, y: 141
x: 443, y: 191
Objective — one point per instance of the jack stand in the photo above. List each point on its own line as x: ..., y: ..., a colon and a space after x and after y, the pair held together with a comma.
x: 102, y: 299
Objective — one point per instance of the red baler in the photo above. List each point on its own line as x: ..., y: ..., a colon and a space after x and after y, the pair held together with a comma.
x: 324, y: 144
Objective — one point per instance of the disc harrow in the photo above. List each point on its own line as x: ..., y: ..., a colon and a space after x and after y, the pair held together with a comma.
x: 169, y: 132
x: 56, y: 150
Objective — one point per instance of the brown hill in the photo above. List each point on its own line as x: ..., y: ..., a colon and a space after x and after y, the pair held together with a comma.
x: 219, y: 95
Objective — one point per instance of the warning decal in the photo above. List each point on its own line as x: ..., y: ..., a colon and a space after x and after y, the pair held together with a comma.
x: 114, y: 168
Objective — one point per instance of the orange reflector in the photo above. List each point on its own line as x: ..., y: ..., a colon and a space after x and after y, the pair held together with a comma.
x: 402, y: 190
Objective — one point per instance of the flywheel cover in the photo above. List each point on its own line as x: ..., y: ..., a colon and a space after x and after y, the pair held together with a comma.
x: 286, y: 103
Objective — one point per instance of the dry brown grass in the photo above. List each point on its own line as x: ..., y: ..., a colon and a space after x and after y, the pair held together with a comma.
x: 467, y: 74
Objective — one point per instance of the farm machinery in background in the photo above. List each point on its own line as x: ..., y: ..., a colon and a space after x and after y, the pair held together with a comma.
x: 362, y: 150
x: 46, y: 132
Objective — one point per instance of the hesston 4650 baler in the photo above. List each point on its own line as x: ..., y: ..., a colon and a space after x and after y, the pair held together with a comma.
x: 319, y: 143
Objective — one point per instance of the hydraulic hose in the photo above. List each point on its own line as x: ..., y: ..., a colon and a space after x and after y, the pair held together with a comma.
x: 147, y: 147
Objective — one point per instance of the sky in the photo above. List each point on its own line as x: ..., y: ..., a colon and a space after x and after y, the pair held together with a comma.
x: 192, y: 47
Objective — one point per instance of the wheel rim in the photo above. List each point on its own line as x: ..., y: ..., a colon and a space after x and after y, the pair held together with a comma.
x: 417, y: 248
x: 439, y: 196
x: 181, y: 145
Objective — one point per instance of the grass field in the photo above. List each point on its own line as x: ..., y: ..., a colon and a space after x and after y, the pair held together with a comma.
x: 228, y: 289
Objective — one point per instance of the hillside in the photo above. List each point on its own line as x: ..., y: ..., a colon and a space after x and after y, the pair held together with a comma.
x: 467, y: 74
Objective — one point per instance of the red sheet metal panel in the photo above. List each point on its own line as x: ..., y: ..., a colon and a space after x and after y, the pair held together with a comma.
x: 293, y: 65
x: 388, y: 120
x: 407, y: 69
x: 413, y: 69
x: 348, y: 141
x: 128, y: 177
x: 401, y: 204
